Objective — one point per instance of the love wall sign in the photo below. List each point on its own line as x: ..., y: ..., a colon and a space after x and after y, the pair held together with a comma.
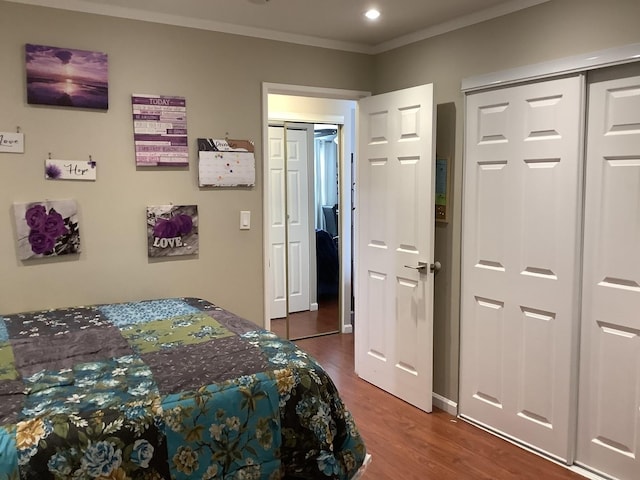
x: 11, y: 142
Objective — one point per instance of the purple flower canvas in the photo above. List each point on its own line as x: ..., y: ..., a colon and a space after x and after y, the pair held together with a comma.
x: 47, y: 229
x: 172, y: 230
x: 66, y: 77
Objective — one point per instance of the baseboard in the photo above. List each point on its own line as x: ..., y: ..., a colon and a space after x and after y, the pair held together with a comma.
x: 580, y: 470
x: 347, y: 328
x: 445, y: 404
x: 313, y: 307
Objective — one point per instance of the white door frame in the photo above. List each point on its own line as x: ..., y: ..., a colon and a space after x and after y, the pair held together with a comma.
x: 345, y: 182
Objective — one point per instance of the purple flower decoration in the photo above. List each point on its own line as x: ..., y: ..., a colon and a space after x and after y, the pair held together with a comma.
x: 165, y: 229
x: 41, y: 243
x: 52, y: 171
x: 183, y: 223
x: 54, y: 225
x: 45, y: 229
x: 36, y: 216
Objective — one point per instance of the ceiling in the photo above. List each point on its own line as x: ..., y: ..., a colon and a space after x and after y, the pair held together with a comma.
x: 338, y: 24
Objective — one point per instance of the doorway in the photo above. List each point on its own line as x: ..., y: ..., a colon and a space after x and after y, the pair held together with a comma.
x: 287, y: 103
x: 305, y: 276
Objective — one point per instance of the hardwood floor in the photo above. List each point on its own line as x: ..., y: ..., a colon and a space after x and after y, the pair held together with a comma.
x: 406, y: 443
x: 305, y: 324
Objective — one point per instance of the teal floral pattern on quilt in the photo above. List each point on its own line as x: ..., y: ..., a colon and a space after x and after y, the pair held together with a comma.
x: 165, y: 389
x: 316, y: 425
x: 4, y: 335
x: 231, y: 430
x: 97, y: 420
x: 122, y: 314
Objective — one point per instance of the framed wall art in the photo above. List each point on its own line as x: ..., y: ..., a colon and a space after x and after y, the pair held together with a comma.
x: 66, y: 77
x: 47, y: 229
x: 172, y: 230
x: 442, y: 189
x: 160, y: 130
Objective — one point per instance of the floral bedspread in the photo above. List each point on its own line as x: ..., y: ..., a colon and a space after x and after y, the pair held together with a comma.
x: 165, y: 389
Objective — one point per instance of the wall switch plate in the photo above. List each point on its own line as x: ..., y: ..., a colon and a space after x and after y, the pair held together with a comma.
x: 245, y: 220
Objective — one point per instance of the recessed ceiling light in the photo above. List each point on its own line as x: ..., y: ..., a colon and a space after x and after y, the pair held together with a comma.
x: 372, y: 14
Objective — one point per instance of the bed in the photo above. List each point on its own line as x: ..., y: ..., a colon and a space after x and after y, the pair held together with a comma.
x: 165, y: 389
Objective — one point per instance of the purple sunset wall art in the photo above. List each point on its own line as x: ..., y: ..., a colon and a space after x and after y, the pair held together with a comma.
x: 66, y: 77
x: 47, y: 229
x: 172, y: 230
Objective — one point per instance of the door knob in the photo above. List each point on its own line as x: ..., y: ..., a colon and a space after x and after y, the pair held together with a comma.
x: 421, y: 266
x: 436, y: 266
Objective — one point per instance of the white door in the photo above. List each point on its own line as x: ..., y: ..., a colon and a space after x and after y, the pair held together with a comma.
x: 395, y: 222
x: 521, y: 251
x: 294, y: 193
x: 609, y: 401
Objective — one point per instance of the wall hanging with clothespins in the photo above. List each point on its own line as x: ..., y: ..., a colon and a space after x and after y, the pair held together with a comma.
x: 12, y: 142
x: 70, y: 169
x: 226, y: 163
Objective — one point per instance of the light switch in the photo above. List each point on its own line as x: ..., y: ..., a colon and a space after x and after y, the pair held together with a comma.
x: 245, y: 220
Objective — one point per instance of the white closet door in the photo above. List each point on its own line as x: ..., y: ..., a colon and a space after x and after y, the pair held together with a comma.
x: 520, y: 262
x: 609, y: 402
x: 295, y: 217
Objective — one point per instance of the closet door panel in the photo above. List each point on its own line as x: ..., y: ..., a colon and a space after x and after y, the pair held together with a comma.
x: 520, y: 261
x: 609, y: 402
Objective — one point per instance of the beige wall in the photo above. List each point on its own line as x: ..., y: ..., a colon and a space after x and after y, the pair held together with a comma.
x: 549, y: 31
x: 221, y: 76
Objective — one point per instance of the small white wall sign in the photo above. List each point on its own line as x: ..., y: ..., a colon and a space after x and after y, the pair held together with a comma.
x: 70, y: 169
x: 11, y: 142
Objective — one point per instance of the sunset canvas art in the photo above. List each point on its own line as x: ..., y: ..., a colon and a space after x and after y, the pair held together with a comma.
x: 66, y: 77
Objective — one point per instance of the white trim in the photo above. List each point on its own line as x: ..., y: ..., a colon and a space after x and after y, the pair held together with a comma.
x: 318, y: 92
x: 445, y: 404
x: 309, y: 118
x: 211, y: 25
x: 574, y: 468
x: 347, y: 328
x: 313, y: 307
x: 562, y: 66
x: 457, y: 23
x: 197, y: 23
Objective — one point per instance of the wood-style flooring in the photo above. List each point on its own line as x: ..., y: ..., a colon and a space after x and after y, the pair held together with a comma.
x: 310, y: 323
x: 406, y: 443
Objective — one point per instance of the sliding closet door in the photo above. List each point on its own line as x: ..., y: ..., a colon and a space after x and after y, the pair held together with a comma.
x: 609, y: 403
x: 520, y: 262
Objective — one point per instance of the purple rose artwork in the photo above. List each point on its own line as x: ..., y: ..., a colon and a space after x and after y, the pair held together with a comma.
x: 172, y: 230
x: 66, y: 77
x: 47, y: 229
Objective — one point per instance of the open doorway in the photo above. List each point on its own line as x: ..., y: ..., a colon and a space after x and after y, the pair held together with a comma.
x: 286, y: 103
x: 318, y: 221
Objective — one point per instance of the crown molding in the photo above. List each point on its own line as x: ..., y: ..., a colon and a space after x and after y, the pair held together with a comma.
x: 211, y: 25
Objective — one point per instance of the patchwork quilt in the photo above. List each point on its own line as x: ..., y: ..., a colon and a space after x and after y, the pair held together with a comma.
x: 165, y: 389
